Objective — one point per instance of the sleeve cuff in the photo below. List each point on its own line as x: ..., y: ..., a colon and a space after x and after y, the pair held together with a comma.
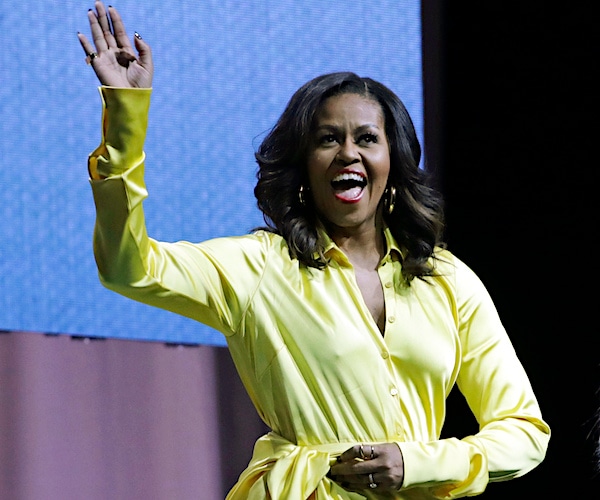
x: 124, y: 126
x: 450, y: 467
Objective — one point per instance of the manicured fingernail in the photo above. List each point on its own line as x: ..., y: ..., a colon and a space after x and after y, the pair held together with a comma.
x: 137, y: 35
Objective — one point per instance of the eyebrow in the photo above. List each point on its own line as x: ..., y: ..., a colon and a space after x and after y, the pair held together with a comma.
x: 361, y: 128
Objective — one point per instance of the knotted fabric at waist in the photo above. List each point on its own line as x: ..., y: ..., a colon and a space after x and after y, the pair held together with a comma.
x: 286, y: 470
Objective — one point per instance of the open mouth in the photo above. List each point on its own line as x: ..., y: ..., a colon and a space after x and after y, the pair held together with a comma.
x: 349, y: 186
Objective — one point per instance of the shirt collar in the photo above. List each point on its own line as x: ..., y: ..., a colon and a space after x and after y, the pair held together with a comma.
x: 332, y: 251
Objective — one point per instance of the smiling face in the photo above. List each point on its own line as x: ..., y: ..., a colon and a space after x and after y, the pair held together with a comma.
x: 348, y: 162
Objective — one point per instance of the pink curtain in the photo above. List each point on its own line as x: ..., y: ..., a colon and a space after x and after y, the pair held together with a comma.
x: 116, y: 419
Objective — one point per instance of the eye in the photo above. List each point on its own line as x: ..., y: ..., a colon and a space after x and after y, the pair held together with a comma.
x: 368, y: 138
x: 327, y: 139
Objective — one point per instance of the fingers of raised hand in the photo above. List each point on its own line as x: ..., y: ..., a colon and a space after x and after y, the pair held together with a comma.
x: 118, y: 30
x: 88, y: 48
x: 97, y: 33
x: 108, y: 34
x: 104, y: 23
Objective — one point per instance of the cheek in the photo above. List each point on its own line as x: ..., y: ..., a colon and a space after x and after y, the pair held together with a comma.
x: 317, y: 156
x: 379, y: 188
x: 317, y: 163
x: 382, y: 167
x: 311, y: 161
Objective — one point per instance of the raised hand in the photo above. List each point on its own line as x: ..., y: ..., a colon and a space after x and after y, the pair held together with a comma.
x: 111, y: 55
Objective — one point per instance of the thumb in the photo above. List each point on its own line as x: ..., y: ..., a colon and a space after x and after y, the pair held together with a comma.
x: 144, y: 51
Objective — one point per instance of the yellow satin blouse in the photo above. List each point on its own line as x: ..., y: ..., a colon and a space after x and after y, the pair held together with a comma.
x: 310, y: 355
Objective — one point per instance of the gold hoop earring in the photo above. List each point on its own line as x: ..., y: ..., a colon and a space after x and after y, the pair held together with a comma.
x: 389, y: 199
x: 301, y: 198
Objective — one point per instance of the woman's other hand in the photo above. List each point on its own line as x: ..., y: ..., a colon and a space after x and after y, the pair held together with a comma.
x: 379, y: 467
x: 111, y: 55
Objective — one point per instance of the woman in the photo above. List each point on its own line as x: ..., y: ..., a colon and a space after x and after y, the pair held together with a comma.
x: 347, y: 319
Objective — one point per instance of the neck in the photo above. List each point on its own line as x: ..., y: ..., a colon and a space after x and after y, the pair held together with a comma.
x: 364, y: 247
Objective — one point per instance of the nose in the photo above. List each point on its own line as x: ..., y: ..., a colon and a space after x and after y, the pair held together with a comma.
x: 348, y: 152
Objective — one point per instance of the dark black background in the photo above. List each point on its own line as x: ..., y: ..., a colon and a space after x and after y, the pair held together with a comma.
x: 510, y: 123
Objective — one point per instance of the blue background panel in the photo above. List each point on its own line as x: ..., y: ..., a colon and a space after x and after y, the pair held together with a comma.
x: 224, y: 71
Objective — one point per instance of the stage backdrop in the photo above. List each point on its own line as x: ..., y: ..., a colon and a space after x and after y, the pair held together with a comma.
x: 224, y: 71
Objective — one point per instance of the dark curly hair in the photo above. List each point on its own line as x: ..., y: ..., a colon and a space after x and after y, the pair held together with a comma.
x: 417, y: 220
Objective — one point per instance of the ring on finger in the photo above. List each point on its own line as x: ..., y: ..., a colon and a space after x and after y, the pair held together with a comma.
x: 90, y: 57
x: 361, y: 452
x: 372, y: 483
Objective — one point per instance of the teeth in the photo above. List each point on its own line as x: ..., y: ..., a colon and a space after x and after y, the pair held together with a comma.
x: 348, y: 177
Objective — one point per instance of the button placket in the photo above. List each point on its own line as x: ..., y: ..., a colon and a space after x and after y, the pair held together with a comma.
x: 386, y: 275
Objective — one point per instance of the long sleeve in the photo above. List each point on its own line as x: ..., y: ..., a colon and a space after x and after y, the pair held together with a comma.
x: 513, y: 437
x: 179, y: 277
x: 119, y: 211
x: 124, y: 125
